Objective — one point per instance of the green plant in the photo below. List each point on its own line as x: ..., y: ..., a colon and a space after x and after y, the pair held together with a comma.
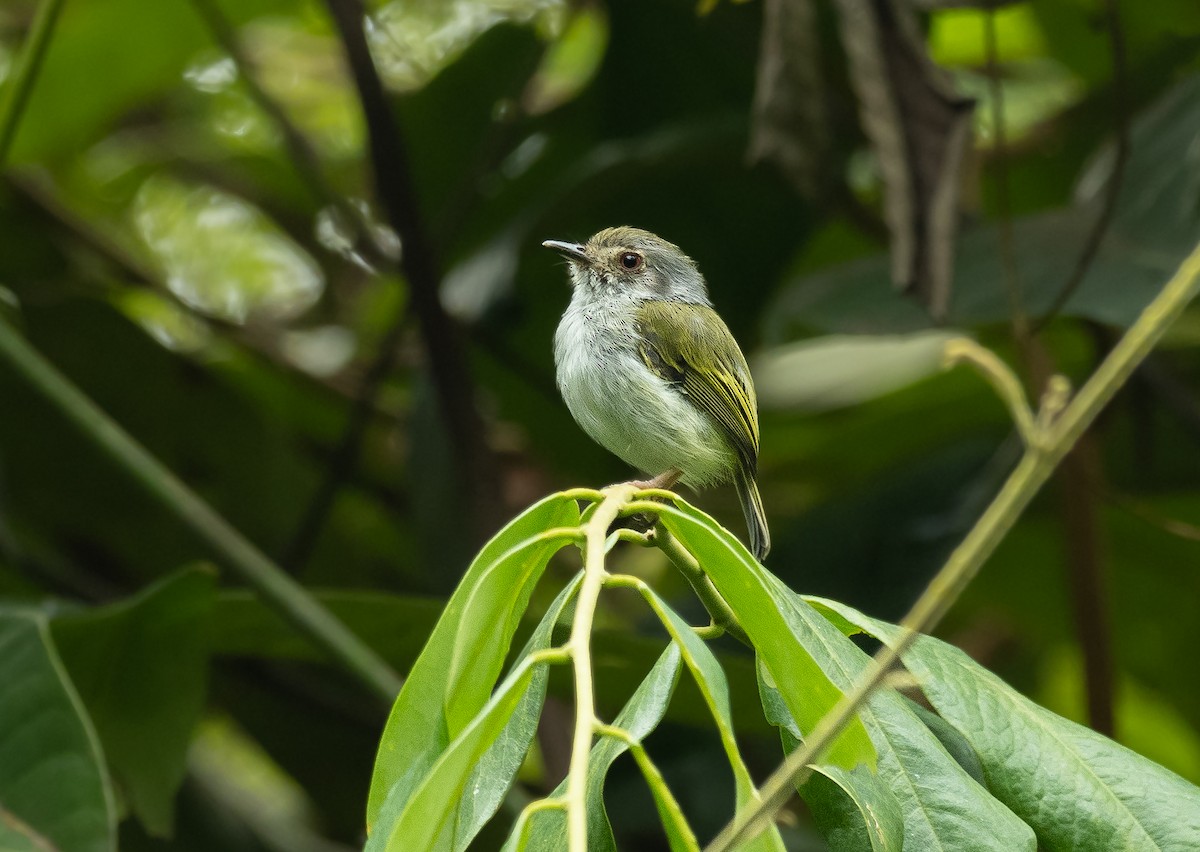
x: 452, y: 746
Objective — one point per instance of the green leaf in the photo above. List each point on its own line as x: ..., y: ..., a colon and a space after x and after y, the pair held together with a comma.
x: 942, y: 807
x: 954, y: 742
x: 641, y: 715
x: 1079, y: 790
x: 854, y: 809
x: 52, y: 775
x: 715, y: 690
x: 751, y: 593
x: 444, y: 808
x: 837, y: 371
x: 222, y: 255
x: 141, y: 668
x: 417, y: 729
x: 498, y: 598
x: 494, y: 773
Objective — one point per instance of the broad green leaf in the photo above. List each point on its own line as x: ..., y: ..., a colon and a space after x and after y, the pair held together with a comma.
x: 494, y: 773
x: 416, y: 732
x: 1149, y: 723
x: 497, y: 600
x: 443, y: 809
x: 715, y: 690
x: 750, y: 591
x: 641, y: 715
x: 1079, y: 790
x: 954, y: 742
x: 141, y: 668
x: 52, y: 777
x: 854, y: 809
x: 943, y: 808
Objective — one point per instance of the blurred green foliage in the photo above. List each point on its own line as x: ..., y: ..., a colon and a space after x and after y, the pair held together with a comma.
x: 159, y: 245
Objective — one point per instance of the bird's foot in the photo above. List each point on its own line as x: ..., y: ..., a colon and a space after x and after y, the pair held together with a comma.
x: 665, y: 481
x: 645, y: 521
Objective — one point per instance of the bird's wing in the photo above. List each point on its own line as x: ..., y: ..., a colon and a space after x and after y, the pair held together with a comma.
x: 690, y: 347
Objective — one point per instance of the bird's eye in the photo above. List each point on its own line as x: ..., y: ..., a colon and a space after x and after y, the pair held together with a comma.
x: 631, y: 260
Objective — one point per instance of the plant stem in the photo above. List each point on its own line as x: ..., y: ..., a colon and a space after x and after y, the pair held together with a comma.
x: 1031, y: 473
x: 596, y: 535
x: 21, y: 83
x: 718, y: 609
x: 276, y: 589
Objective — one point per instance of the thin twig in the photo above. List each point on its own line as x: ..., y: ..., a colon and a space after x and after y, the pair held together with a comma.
x: 1031, y: 473
x: 1095, y: 238
x: 1008, y: 258
x: 29, y: 63
x: 447, y: 361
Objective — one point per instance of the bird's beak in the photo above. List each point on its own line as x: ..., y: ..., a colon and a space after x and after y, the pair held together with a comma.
x: 571, y: 251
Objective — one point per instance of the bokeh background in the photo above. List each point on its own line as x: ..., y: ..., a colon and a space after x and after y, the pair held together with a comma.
x: 226, y: 289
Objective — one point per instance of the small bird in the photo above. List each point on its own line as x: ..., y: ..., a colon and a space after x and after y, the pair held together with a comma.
x: 652, y: 373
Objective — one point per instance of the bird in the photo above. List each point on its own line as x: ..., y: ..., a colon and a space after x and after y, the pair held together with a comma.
x: 650, y: 371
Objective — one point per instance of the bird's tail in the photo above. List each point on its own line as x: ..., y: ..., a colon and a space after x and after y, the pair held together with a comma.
x: 756, y: 518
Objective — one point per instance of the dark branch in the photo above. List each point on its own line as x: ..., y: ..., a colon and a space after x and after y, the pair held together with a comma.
x: 1091, y: 246
x: 442, y: 340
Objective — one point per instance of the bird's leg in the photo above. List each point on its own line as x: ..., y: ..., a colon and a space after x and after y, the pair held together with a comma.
x: 665, y: 481
x: 644, y: 521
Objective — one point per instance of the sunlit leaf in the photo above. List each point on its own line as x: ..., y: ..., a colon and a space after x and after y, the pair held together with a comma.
x: 715, y: 690
x: 412, y: 40
x: 571, y: 61
x: 223, y: 256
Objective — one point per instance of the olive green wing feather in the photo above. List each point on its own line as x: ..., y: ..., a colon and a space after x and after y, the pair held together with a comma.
x: 690, y: 346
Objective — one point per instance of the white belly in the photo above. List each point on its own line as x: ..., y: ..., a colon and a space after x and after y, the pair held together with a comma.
x: 628, y: 409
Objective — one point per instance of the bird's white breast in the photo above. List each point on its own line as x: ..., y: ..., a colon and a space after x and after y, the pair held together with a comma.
x: 624, y: 406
